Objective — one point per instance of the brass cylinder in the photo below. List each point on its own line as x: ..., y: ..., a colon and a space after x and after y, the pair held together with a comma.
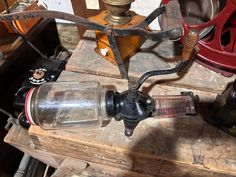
x: 118, y: 11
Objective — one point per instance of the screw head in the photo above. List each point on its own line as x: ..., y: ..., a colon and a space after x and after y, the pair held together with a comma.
x: 149, y: 101
x: 133, y: 85
x: 128, y: 132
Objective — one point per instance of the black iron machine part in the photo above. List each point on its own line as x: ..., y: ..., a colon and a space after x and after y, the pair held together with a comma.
x: 223, y: 110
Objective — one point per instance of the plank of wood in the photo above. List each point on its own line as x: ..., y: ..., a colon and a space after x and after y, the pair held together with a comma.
x: 152, y: 56
x: 155, y: 141
x: 19, y: 138
x: 68, y: 35
x: 72, y: 168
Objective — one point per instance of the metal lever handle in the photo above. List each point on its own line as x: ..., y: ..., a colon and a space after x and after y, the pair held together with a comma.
x: 189, y: 44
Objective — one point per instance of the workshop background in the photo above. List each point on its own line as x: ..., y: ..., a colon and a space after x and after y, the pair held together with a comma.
x: 196, y: 138
x: 16, y: 69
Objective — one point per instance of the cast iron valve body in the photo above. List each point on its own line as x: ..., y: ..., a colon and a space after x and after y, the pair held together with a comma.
x: 129, y: 106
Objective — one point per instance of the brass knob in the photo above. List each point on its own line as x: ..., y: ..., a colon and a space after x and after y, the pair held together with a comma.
x: 118, y: 11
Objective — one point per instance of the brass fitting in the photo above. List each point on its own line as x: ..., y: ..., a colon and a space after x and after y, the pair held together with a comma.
x: 118, y: 11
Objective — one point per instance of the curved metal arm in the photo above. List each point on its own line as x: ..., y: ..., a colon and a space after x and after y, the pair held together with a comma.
x: 173, y: 33
x: 179, y: 67
x: 188, y: 53
x: 159, y: 36
x: 50, y: 14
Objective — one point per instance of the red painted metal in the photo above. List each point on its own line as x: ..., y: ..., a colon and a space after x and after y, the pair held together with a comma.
x: 213, y: 50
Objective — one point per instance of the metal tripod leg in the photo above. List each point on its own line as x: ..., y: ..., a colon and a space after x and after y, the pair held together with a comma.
x: 116, y: 52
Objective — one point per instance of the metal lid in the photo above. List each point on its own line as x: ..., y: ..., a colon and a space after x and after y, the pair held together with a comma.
x: 118, y: 2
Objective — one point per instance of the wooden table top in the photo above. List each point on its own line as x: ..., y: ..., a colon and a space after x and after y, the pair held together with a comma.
x: 151, y: 56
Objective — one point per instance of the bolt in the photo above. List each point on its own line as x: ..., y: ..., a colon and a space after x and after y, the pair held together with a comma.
x: 118, y: 117
x: 128, y: 132
x: 133, y: 85
x: 197, y: 48
x: 149, y: 101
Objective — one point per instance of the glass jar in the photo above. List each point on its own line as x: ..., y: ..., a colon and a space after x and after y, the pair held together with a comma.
x: 56, y: 105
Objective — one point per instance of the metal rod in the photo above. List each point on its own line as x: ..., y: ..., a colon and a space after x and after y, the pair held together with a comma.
x: 174, y: 33
x: 23, y: 166
x: 52, y: 15
x: 176, y: 69
x: 152, y: 16
x: 116, y: 52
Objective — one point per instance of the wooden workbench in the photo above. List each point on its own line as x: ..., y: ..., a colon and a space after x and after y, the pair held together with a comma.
x: 151, y: 56
x: 159, y: 147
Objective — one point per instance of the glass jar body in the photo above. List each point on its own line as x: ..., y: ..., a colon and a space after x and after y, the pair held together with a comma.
x: 67, y: 104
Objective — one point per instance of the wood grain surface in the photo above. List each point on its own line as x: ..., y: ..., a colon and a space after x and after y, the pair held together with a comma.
x: 68, y: 167
x: 151, y: 56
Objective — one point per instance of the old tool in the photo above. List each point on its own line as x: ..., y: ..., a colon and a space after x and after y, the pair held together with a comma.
x: 118, y: 16
x: 134, y: 106
x: 54, y: 105
x: 57, y: 105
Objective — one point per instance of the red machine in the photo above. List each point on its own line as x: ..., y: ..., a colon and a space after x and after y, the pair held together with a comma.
x: 216, y: 21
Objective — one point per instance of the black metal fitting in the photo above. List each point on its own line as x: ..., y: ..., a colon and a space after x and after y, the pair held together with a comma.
x: 131, y: 107
x: 223, y: 110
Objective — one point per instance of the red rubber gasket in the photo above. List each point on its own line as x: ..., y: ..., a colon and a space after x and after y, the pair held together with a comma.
x: 27, y: 102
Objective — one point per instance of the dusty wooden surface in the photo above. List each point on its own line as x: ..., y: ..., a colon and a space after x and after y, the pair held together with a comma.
x: 152, y: 56
x: 157, y: 144
x: 71, y: 167
x: 68, y: 35
x: 19, y: 138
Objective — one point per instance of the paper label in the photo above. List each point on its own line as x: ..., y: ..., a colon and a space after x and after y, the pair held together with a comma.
x: 92, y: 4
